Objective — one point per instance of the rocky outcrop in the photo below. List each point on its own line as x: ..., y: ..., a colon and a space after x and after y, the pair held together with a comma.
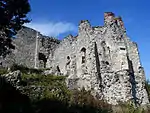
x: 13, y: 78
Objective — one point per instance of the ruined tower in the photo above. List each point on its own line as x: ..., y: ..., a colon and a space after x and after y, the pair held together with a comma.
x: 102, y: 59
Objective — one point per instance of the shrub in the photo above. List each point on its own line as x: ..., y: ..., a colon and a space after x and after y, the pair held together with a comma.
x: 52, y: 89
x: 24, y: 69
x: 3, y: 71
x: 87, y: 102
x: 40, y: 86
x: 129, y: 107
x: 147, y: 86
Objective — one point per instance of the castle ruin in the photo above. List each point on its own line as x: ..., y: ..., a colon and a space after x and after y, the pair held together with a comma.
x: 102, y: 59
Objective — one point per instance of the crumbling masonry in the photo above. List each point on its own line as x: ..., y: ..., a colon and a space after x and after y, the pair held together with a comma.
x: 101, y: 59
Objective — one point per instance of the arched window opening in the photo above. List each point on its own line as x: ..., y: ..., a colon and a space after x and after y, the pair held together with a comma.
x: 68, y: 58
x: 83, y: 55
x: 83, y: 50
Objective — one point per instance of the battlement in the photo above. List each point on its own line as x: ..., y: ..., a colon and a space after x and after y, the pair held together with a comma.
x: 110, y: 18
x: 106, y: 14
x: 84, y: 25
x: 119, y: 21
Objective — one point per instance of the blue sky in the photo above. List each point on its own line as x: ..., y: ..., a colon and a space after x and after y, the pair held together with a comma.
x: 61, y: 17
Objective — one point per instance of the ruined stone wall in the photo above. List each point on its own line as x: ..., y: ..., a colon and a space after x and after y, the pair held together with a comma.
x: 137, y: 73
x: 104, y: 60
x: 25, y: 48
x: 46, y: 48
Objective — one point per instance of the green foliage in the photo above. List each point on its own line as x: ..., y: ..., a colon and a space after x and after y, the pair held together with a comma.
x: 87, y: 103
x: 25, y: 70
x: 147, y: 86
x: 3, y: 71
x: 51, y: 89
x: 13, y: 16
x: 47, y: 87
x: 129, y: 107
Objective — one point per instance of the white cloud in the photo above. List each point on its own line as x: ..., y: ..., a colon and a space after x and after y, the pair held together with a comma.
x: 51, y: 28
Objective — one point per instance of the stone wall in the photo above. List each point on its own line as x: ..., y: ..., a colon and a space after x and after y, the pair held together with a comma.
x: 25, y: 49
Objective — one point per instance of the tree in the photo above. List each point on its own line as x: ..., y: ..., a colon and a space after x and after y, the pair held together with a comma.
x: 13, y: 16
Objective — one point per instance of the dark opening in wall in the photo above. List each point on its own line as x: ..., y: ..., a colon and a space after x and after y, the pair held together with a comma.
x: 107, y: 63
x: 58, y: 69
x: 43, y: 58
x: 122, y: 48
x: 68, y: 57
x: 103, y: 43
x: 83, y: 53
x: 42, y: 41
x: 83, y: 50
x: 68, y: 60
x: 0, y: 63
x: 83, y: 59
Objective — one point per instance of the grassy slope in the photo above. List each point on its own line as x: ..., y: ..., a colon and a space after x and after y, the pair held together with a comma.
x: 49, y: 94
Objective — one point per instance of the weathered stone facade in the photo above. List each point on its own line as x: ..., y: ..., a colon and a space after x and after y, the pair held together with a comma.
x: 31, y: 49
x: 102, y: 59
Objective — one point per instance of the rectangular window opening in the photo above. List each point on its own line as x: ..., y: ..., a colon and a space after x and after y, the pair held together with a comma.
x: 122, y: 48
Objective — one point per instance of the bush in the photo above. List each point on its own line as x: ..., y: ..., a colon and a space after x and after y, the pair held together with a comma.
x: 51, y: 90
x: 147, y: 86
x: 3, y: 71
x: 129, y: 107
x: 88, y: 103
x: 39, y: 87
x: 24, y: 69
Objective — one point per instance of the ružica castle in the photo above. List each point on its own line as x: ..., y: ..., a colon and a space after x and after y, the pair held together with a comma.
x: 101, y: 59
